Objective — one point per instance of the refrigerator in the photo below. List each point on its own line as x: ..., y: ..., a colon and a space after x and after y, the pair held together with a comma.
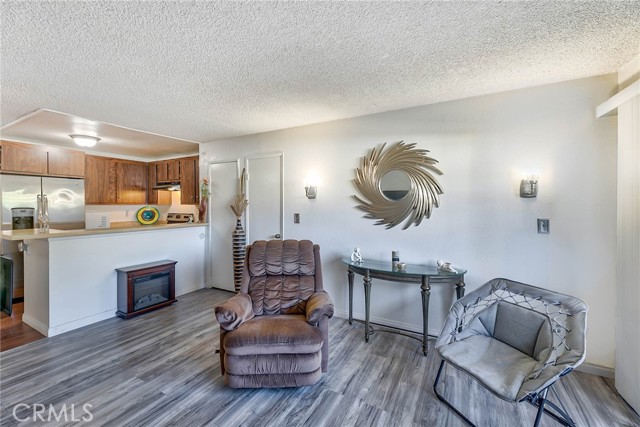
x: 66, y: 212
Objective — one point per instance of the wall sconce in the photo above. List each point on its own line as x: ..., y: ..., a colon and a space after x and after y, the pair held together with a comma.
x: 85, y: 140
x: 311, y: 191
x: 311, y: 185
x: 529, y: 186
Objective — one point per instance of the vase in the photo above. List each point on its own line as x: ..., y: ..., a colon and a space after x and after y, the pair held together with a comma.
x: 239, y: 248
x: 202, y: 210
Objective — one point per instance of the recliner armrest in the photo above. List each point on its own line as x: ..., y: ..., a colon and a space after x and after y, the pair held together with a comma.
x: 234, y: 312
x: 319, y: 304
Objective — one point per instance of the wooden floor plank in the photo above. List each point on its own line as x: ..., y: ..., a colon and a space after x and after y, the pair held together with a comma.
x: 160, y: 369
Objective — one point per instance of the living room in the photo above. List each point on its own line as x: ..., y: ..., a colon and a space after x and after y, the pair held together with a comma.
x: 495, y: 92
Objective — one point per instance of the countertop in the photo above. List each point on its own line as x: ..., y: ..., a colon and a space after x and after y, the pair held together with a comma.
x: 128, y: 227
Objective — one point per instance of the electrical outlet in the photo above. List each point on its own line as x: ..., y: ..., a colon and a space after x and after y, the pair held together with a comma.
x: 543, y: 226
x: 296, y: 218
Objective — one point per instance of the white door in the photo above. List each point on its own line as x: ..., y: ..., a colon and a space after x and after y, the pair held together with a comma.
x: 223, y: 182
x: 265, y: 220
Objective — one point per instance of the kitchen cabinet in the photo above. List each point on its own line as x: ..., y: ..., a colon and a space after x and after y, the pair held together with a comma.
x: 33, y: 159
x: 111, y: 181
x: 23, y: 158
x: 189, y: 181
x: 62, y: 162
x: 131, y: 182
x: 100, y: 180
x: 156, y: 197
x: 168, y: 171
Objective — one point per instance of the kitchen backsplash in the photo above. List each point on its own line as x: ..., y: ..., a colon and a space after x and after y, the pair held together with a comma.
x: 126, y: 213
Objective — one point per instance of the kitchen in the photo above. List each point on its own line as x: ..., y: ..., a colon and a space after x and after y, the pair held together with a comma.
x: 70, y: 216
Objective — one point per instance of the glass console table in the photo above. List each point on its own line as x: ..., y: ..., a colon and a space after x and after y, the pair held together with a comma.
x: 423, y: 275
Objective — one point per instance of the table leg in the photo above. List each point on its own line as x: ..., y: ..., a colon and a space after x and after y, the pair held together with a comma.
x: 367, y: 302
x: 425, y: 289
x: 460, y: 288
x: 350, y: 275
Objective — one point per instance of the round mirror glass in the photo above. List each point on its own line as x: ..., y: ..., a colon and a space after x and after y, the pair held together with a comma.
x: 395, y: 184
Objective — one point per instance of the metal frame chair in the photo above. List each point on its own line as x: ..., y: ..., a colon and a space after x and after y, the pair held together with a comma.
x: 562, y: 332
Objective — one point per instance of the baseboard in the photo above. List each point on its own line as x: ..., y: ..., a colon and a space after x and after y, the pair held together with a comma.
x: 75, y: 324
x: 38, y: 326
x: 189, y: 289
x: 343, y: 314
x: 590, y: 368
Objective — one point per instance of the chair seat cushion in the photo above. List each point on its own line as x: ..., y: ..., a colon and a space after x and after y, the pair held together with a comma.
x: 500, y: 367
x: 274, y: 334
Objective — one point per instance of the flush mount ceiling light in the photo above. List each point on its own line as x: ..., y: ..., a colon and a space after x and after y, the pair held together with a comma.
x: 85, y: 140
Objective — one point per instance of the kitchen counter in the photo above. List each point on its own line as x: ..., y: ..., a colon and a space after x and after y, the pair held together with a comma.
x: 70, y: 277
x: 127, y: 227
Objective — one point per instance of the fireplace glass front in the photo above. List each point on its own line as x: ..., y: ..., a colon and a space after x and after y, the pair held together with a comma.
x: 150, y: 290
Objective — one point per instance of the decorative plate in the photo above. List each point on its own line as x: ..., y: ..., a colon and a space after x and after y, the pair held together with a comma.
x: 147, y: 215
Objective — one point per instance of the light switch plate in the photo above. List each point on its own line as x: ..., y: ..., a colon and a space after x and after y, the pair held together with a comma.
x: 296, y: 218
x: 543, y: 226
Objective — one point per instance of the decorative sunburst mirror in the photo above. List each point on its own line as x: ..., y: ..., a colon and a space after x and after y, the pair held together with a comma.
x: 397, y: 184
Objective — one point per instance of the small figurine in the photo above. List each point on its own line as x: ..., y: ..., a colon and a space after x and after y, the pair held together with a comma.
x: 355, y: 256
x: 445, y: 266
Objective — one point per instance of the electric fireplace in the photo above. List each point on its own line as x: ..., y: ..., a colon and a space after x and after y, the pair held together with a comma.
x: 145, y: 287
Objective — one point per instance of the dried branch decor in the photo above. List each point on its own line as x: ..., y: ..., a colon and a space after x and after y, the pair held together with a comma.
x: 421, y: 197
x: 239, y: 202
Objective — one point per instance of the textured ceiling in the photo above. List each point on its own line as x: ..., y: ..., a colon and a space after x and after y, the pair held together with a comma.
x: 207, y: 70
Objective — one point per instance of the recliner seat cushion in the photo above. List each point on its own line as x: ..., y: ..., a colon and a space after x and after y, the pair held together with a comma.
x: 262, y: 364
x: 497, y: 365
x: 275, y: 334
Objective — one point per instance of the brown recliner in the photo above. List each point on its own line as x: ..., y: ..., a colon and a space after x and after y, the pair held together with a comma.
x: 275, y: 331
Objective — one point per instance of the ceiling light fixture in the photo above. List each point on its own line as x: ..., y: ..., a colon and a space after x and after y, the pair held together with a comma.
x: 85, y: 140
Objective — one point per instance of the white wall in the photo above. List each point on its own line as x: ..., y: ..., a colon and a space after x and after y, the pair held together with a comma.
x: 628, y: 314
x: 484, y: 146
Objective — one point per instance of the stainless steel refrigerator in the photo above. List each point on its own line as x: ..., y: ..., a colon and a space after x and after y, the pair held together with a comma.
x: 66, y: 212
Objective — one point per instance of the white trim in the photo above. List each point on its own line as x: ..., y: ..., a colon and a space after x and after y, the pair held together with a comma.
x: 618, y: 99
x: 79, y: 323
x: 26, y: 116
x: 343, y: 314
x: 38, y: 326
x: 603, y: 371
x: 588, y: 368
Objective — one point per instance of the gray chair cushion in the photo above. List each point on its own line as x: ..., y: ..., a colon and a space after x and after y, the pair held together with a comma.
x: 500, y: 367
x: 520, y: 327
x: 276, y: 334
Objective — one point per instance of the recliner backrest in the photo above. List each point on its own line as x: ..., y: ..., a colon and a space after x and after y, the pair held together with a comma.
x: 281, y: 275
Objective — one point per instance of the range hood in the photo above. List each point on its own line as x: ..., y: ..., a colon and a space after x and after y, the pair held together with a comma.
x: 169, y: 186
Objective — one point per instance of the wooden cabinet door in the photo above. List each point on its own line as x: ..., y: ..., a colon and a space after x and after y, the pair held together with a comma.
x: 131, y: 182
x: 168, y: 171
x: 158, y: 197
x: 63, y: 162
x: 173, y: 170
x: 100, y: 180
x: 23, y: 158
x: 189, y: 181
x: 162, y: 173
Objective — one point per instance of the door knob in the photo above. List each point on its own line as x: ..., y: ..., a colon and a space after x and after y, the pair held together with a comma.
x: 277, y: 236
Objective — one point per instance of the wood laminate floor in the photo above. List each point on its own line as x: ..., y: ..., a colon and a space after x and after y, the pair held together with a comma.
x: 160, y: 369
x: 13, y: 331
